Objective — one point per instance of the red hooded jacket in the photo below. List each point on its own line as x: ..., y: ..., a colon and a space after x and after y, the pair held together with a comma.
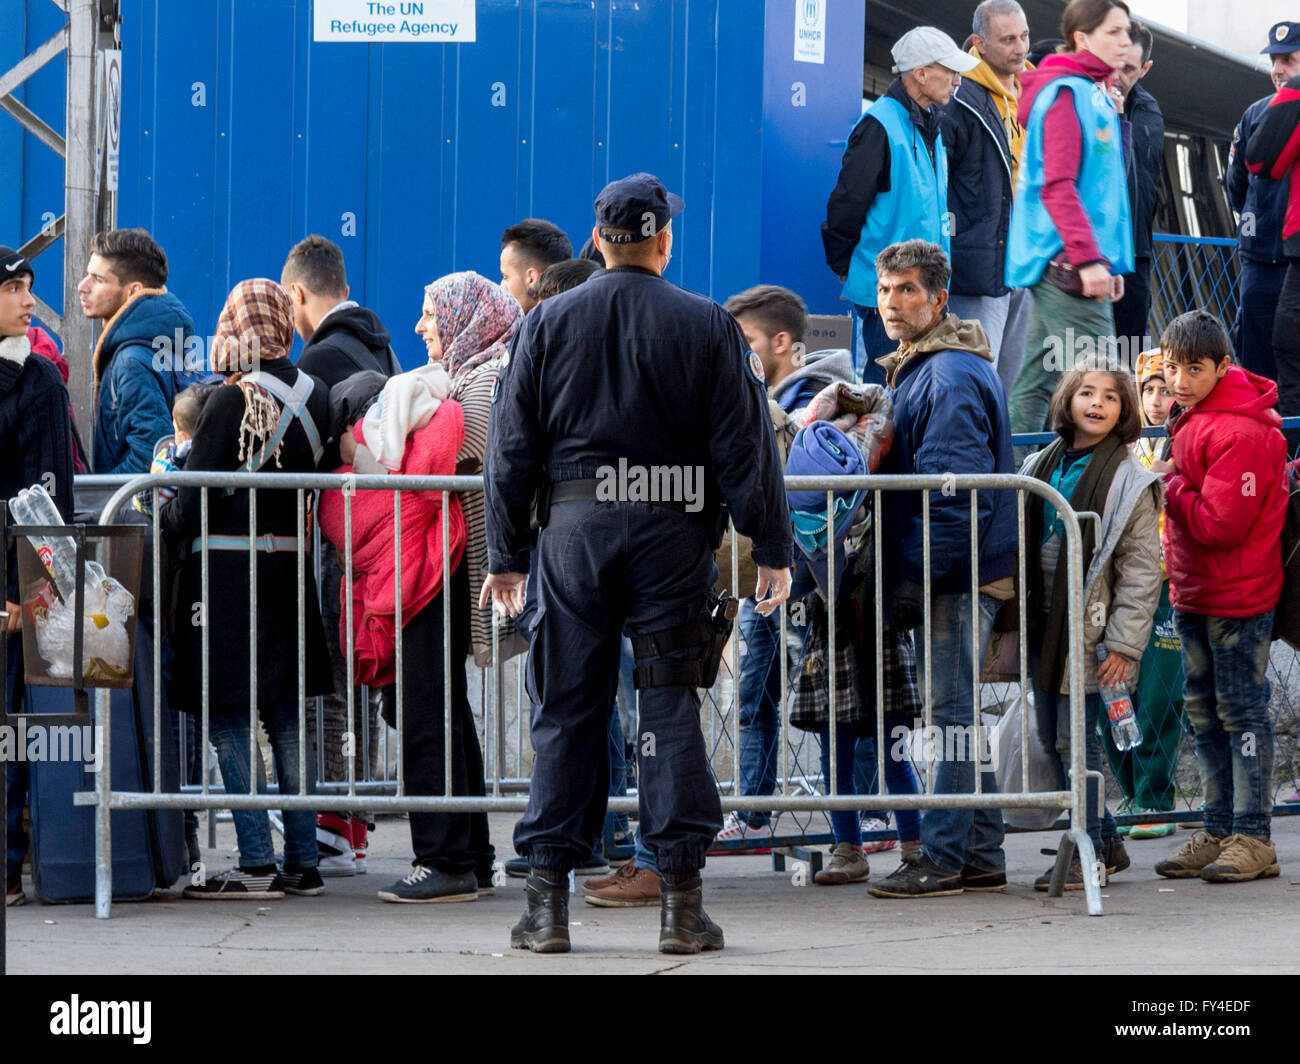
x: 1225, y: 505
x: 1063, y: 149
x: 430, y: 451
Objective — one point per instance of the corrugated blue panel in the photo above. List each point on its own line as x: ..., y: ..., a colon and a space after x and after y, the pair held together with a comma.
x: 414, y: 157
x: 808, y: 110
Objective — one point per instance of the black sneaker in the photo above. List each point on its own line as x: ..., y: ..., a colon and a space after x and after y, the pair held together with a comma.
x: 982, y: 881
x: 239, y: 884
x: 591, y: 866
x: 306, y: 881
x: 924, y: 879
x: 426, y: 884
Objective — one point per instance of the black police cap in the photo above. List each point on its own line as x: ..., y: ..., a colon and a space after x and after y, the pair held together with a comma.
x: 638, y: 204
x: 1282, y: 38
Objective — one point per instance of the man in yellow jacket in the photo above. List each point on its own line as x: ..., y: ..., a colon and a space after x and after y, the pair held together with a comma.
x: 984, y: 141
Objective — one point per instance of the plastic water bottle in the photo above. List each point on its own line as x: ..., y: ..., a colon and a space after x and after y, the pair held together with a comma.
x: 33, y: 506
x: 1124, y: 727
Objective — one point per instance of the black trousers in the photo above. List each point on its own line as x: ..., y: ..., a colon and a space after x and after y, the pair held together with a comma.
x: 449, y: 842
x: 1286, y: 349
x: 602, y: 568
x: 1133, y: 311
x: 1252, y: 334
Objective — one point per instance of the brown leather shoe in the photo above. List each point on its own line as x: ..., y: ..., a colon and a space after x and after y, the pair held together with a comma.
x: 628, y: 888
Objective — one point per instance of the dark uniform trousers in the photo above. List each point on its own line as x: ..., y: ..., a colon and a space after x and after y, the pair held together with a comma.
x: 1261, y: 288
x: 603, y: 568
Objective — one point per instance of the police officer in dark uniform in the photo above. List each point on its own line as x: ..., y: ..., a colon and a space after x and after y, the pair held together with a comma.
x: 628, y: 412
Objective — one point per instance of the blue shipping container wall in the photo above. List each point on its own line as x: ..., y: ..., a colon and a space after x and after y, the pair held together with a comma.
x: 241, y: 135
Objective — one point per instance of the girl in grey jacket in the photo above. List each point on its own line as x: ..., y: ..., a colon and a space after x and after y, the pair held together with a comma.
x: 1096, y: 416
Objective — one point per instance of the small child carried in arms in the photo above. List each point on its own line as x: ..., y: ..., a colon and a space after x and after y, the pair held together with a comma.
x: 170, y: 452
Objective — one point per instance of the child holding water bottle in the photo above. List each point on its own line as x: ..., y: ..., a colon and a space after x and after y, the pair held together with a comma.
x: 1094, y: 413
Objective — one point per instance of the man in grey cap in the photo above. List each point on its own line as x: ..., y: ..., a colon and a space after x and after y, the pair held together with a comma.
x: 623, y: 381
x: 893, y: 183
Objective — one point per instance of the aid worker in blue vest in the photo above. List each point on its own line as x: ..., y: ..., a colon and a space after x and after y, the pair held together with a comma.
x: 893, y: 183
x: 628, y: 411
x: 1071, y: 237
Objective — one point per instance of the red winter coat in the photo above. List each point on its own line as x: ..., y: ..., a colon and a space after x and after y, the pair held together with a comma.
x: 430, y: 451
x: 1225, y: 505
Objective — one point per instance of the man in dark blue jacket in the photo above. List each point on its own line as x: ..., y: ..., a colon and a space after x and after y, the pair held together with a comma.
x: 984, y: 138
x: 1146, y: 169
x: 1260, y: 203
x: 145, y: 354
x: 626, y: 383
x: 950, y: 417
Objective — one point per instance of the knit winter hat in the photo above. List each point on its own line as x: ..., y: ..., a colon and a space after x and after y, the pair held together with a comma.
x: 1150, y: 364
x: 14, y: 264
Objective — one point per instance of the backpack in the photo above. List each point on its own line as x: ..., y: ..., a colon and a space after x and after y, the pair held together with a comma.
x: 1286, y: 617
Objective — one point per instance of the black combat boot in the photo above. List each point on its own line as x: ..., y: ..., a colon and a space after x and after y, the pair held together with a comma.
x: 684, y: 926
x: 544, y: 927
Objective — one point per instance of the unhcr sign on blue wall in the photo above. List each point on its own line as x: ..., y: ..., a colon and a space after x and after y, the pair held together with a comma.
x: 423, y: 21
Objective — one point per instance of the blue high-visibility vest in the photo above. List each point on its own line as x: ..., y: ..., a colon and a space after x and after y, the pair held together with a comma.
x: 1102, y: 185
x: 914, y: 208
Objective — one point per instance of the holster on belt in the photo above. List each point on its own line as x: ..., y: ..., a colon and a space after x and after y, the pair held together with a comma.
x: 708, y: 638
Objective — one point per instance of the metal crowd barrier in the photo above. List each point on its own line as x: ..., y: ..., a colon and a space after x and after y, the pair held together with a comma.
x: 211, y: 798
x: 1189, y: 272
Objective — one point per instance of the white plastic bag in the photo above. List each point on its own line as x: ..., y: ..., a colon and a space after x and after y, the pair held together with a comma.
x: 1005, y: 743
x: 106, y: 644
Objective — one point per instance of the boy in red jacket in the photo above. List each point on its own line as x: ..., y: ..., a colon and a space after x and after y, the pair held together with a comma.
x: 1225, y: 501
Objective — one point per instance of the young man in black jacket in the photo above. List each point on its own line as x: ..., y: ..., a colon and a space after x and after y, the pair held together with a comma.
x: 340, y: 339
x: 1146, y: 167
x: 36, y: 440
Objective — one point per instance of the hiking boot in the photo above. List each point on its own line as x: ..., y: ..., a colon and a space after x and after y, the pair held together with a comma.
x: 925, y: 879
x: 306, y: 881
x: 848, y: 864
x: 1200, y: 850
x: 429, y: 885
x: 684, y: 926
x: 628, y: 888
x: 239, y: 884
x: 544, y: 927
x: 1114, y: 854
x: 1242, y: 858
x: 983, y: 881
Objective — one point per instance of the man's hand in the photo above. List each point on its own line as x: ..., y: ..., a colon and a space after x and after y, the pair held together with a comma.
x: 506, y: 591
x: 907, y: 607
x: 1114, y: 670
x: 1164, y: 466
x: 1097, y: 282
x: 1117, y: 288
x: 14, y: 622
x: 347, y: 446
x: 773, y: 589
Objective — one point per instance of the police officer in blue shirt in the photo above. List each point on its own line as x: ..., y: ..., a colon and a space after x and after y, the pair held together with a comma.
x: 628, y: 413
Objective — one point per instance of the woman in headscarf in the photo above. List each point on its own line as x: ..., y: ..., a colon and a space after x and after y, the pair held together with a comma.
x: 466, y: 324
x: 269, y: 417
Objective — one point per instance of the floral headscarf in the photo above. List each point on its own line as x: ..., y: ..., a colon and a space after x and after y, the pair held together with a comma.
x: 256, y: 324
x: 475, y: 318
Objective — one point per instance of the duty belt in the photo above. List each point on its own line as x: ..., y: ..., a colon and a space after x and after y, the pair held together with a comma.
x: 586, y: 491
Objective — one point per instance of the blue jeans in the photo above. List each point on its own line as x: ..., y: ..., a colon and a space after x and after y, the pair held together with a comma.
x: 1225, y: 696
x: 900, y: 778
x: 253, y: 826
x: 761, y: 698
x: 1053, y: 711
x: 957, y: 838
x: 870, y: 342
